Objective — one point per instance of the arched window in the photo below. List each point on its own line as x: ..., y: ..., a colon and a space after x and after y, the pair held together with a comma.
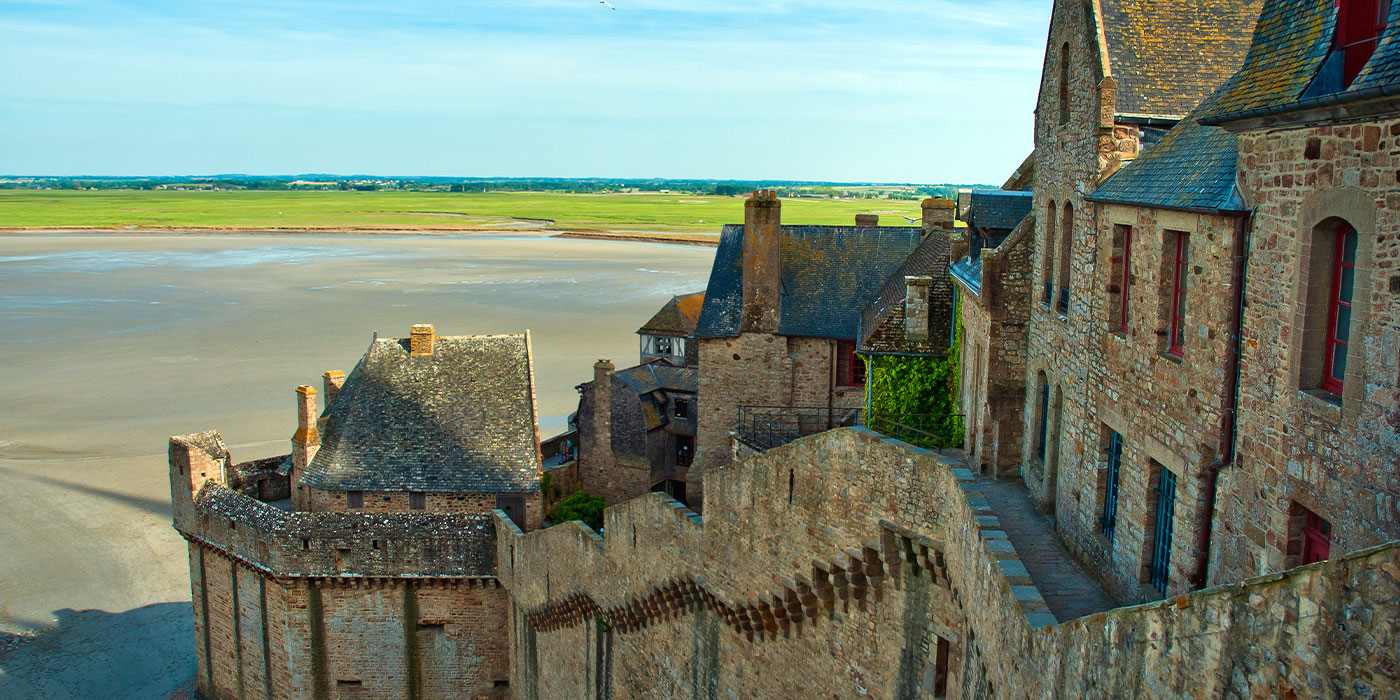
x: 1047, y: 271
x: 1066, y: 241
x: 1064, y: 83
x: 1359, y: 27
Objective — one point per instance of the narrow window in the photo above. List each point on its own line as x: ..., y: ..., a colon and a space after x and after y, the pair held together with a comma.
x: 850, y: 371
x: 417, y: 500
x: 1064, y: 83
x: 1108, y: 522
x: 682, y: 408
x: 685, y: 450
x: 940, y: 669
x: 1123, y: 241
x: 1046, y: 271
x: 1176, y: 330
x: 1066, y: 242
x: 1359, y: 27
x: 355, y: 499
x: 1339, y: 312
x: 1044, y: 417
x: 1164, y: 519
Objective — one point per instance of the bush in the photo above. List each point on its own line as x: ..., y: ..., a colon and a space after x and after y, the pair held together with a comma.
x: 580, y: 506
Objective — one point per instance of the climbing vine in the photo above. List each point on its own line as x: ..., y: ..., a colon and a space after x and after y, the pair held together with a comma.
x: 922, y: 390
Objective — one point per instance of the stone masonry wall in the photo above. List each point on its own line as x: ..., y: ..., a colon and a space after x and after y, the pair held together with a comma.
x: 1333, y: 455
x: 758, y: 369
x: 348, y: 604
x: 994, y: 322
x: 1167, y: 409
x: 881, y: 551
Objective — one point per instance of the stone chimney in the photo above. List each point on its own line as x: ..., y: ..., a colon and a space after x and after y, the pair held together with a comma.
x: 306, y: 440
x: 331, y: 382
x: 595, y: 452
x: 420, y: 340
x: 867, y: 220
x: 916, y: 308
x: 939, y: 214
x: 763, y: 256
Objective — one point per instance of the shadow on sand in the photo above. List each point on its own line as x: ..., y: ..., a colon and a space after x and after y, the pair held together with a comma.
x: 143, y: 653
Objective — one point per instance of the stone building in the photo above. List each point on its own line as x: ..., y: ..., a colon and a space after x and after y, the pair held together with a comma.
x: 1116, y: 77
x: 636, y: 430
x: 990, y: 265
x: 780, y: 326
x: 367, y: 568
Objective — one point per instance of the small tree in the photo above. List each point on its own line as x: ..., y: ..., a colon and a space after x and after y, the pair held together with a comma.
x: 580, y: 506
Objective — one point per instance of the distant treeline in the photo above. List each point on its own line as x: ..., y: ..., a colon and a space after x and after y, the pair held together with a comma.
x: 792, y: 188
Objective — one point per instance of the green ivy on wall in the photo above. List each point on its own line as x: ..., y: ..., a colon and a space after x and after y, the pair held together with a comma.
x: 918, y: 392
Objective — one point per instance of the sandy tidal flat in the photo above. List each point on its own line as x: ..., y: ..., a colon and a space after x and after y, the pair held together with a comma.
x: 114, y: 343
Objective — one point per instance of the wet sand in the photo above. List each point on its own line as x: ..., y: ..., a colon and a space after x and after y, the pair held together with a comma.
x: 112, y: 343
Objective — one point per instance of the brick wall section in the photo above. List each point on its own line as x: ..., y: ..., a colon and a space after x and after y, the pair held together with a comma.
x: 1336, y: 457
x: 993, y: 361
x: 677, y: 596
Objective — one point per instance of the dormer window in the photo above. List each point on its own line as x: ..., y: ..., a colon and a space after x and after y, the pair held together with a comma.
x: 665, y: 345
x: 1359, y: 27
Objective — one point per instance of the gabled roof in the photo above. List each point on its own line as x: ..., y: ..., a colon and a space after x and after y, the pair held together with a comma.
x: 662, y: 376
x: 1000, y: 209
x: 460, y: 421
x: 1191, y: 168
x: 1168, y: 56
x: 829, y: 273
x: 882, y: 320
x: 677, y: 317
x: 1291, y: 42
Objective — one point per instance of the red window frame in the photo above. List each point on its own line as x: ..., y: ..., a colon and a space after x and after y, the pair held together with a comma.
x: 1126, y: 283
x: 1177, y: 330
x: 1317, y: 538
x: 1337, y: 343
x: 850, y: 371
x: 1359, y: 27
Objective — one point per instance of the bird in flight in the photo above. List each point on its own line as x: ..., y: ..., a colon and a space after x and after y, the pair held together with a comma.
x: 912, y: 220
x: 610, y: 7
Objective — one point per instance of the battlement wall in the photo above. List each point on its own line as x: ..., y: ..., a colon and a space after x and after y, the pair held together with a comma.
x: 299, y: 544
x: 872, y: 569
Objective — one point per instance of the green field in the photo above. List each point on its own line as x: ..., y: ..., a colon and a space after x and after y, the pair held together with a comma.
x: 412, y: 210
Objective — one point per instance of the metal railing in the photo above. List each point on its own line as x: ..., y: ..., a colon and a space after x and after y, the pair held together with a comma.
x: 766, y: 427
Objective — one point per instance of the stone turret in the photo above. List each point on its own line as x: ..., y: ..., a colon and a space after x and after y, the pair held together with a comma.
x: 763, y: 257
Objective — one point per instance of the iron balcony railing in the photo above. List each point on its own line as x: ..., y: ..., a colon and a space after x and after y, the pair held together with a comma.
x: 766, y: 427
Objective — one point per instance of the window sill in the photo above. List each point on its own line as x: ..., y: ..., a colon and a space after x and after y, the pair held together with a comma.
x: 1322, y: 406
x: 1324, y: 396
x: 1175, y: 359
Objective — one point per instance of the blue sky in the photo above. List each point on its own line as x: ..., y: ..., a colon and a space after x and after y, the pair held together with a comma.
x: 903, y: 91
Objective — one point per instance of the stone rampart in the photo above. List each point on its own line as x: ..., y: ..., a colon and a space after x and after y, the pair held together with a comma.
x: 867, y: 568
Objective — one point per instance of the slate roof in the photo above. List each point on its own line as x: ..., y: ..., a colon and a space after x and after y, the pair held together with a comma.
x: 1291, y: 42
x: 882, y: 320
x: 829, y: 273
x: 459, y: 421
x: 1168, y: 56
x: 659, y: 376
x: 677, y: 317
x: 1001, y: 209
x: 1192, y: 168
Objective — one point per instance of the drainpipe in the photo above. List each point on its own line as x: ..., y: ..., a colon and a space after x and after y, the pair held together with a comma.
x: 1229, y: 420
